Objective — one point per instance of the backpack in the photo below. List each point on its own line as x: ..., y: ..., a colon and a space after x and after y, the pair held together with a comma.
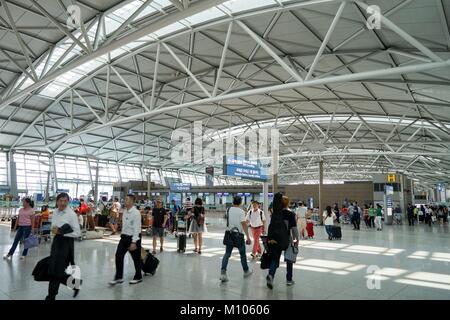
x: 105, y: 210
x: 278, y: 234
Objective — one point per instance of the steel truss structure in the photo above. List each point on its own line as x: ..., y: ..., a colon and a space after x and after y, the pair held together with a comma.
x: 364, y: 100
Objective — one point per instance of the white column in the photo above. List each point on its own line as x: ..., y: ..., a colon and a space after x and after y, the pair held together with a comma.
x: 149, y: 181
x: 266, y: 203
x: 12, y: 175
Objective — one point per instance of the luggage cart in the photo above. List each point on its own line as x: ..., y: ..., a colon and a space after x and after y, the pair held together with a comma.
x: 41, y: 228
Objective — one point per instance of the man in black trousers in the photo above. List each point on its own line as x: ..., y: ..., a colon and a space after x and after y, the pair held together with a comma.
x: 130, y: 241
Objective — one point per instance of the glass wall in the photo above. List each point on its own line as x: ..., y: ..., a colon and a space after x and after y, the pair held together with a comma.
x: 3, y: 170
x: 73, y: 174
x: 32, y: 172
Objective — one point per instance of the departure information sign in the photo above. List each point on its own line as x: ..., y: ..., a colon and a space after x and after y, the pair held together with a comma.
x: 246, y: 169
x: 180, y: 187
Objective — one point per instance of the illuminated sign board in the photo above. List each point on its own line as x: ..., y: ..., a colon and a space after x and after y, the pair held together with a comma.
x: 180, y: 187
x: 246, y: 169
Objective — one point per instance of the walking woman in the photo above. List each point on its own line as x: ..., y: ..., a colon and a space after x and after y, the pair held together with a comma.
x: 378, y: 222
x: 24, y: 224
x: 65, y: 229
x: 371, y: 213
x: 328, y: 220
x: 198, y: 224
x: 280, y: 238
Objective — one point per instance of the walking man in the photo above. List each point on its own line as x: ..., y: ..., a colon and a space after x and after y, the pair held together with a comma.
x: 257, y: 221
x: 130, y: 241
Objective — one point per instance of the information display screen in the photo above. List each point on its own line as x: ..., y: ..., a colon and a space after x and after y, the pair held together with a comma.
x: 246, y: 169
x: 180, y: 187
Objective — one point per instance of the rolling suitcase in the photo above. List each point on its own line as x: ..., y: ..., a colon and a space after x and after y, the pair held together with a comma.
x: 336, y: 232
x: 181, y: 247
x: 149, y: 263
x: 13, y: 222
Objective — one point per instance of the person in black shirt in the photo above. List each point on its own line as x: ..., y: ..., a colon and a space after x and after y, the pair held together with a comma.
x: 159, y: 216
x: 289, y: 219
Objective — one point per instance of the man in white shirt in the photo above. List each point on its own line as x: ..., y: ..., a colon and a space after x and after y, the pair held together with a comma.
x: 130, y: 240
x: 301, y: 219
x: 65, y: 229
x: 236, y: 219
x: 257, y: 220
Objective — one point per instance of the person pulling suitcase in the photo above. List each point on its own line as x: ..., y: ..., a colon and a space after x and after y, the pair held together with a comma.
x: 130, y: 241
x: 329, y: 217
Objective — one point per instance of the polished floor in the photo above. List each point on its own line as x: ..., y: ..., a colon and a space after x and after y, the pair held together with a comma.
x: 400, y: 262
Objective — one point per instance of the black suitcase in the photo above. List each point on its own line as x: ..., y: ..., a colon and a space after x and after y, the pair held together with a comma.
x: 13, y: 222
x: 40, y: 271
x: 150, y: 263
x: 181, y: 246
x: 336, y: 232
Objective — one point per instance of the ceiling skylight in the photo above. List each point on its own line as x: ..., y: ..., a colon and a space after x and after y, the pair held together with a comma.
x: 65, y: 51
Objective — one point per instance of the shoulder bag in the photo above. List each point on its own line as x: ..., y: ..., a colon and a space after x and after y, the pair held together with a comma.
x: 233, y: 237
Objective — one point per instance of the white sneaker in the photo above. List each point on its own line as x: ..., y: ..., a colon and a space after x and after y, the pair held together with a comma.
x: 22, y: 257
x: 248, y: 273
x: 114, y: 282
x: 134, y: 281
x: 6, y: 256
x: 223, y: 277
x: 290, y: 283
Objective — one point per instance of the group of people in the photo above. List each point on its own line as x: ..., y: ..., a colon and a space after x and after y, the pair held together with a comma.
x: 282, y: 236
x: 427, y: 214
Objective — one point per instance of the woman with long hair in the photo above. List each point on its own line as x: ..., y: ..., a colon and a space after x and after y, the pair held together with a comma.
x: 328, y: 220
x: 198, y: 224
x: 24, y: 224
x: 282, y: 236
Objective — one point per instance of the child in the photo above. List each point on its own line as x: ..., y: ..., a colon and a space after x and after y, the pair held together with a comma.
x: 309, y: 224
x: 310, y: 228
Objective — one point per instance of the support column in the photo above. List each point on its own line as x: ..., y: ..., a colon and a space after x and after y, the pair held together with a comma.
x: 149, y: 184
x: 320, y: 192
x: 12, y: 175
x: 53, y: 169
x: 96, y: 184
x: 402, y: 181
x: 275, y: 163
x: 47, y: 190
x: 266, y: 203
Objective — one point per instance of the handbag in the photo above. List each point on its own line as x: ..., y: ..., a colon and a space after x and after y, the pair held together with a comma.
x: 41, y: 270
x: 233, y: 237
x: 265, y: 260
x: 31, y: 242
x: 291, y: 253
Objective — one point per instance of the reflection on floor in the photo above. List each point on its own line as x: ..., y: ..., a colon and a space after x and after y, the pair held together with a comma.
x: 400, y: 262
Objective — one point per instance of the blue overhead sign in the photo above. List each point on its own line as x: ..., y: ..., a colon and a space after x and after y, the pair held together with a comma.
x: 180, y: 187
x: 246, y: 169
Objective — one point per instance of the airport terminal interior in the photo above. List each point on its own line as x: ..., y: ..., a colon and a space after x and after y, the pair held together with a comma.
x: 125, y: 123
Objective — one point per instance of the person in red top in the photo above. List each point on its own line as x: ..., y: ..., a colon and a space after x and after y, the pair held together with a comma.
x: 23, y: 226
x: 83, y: 210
